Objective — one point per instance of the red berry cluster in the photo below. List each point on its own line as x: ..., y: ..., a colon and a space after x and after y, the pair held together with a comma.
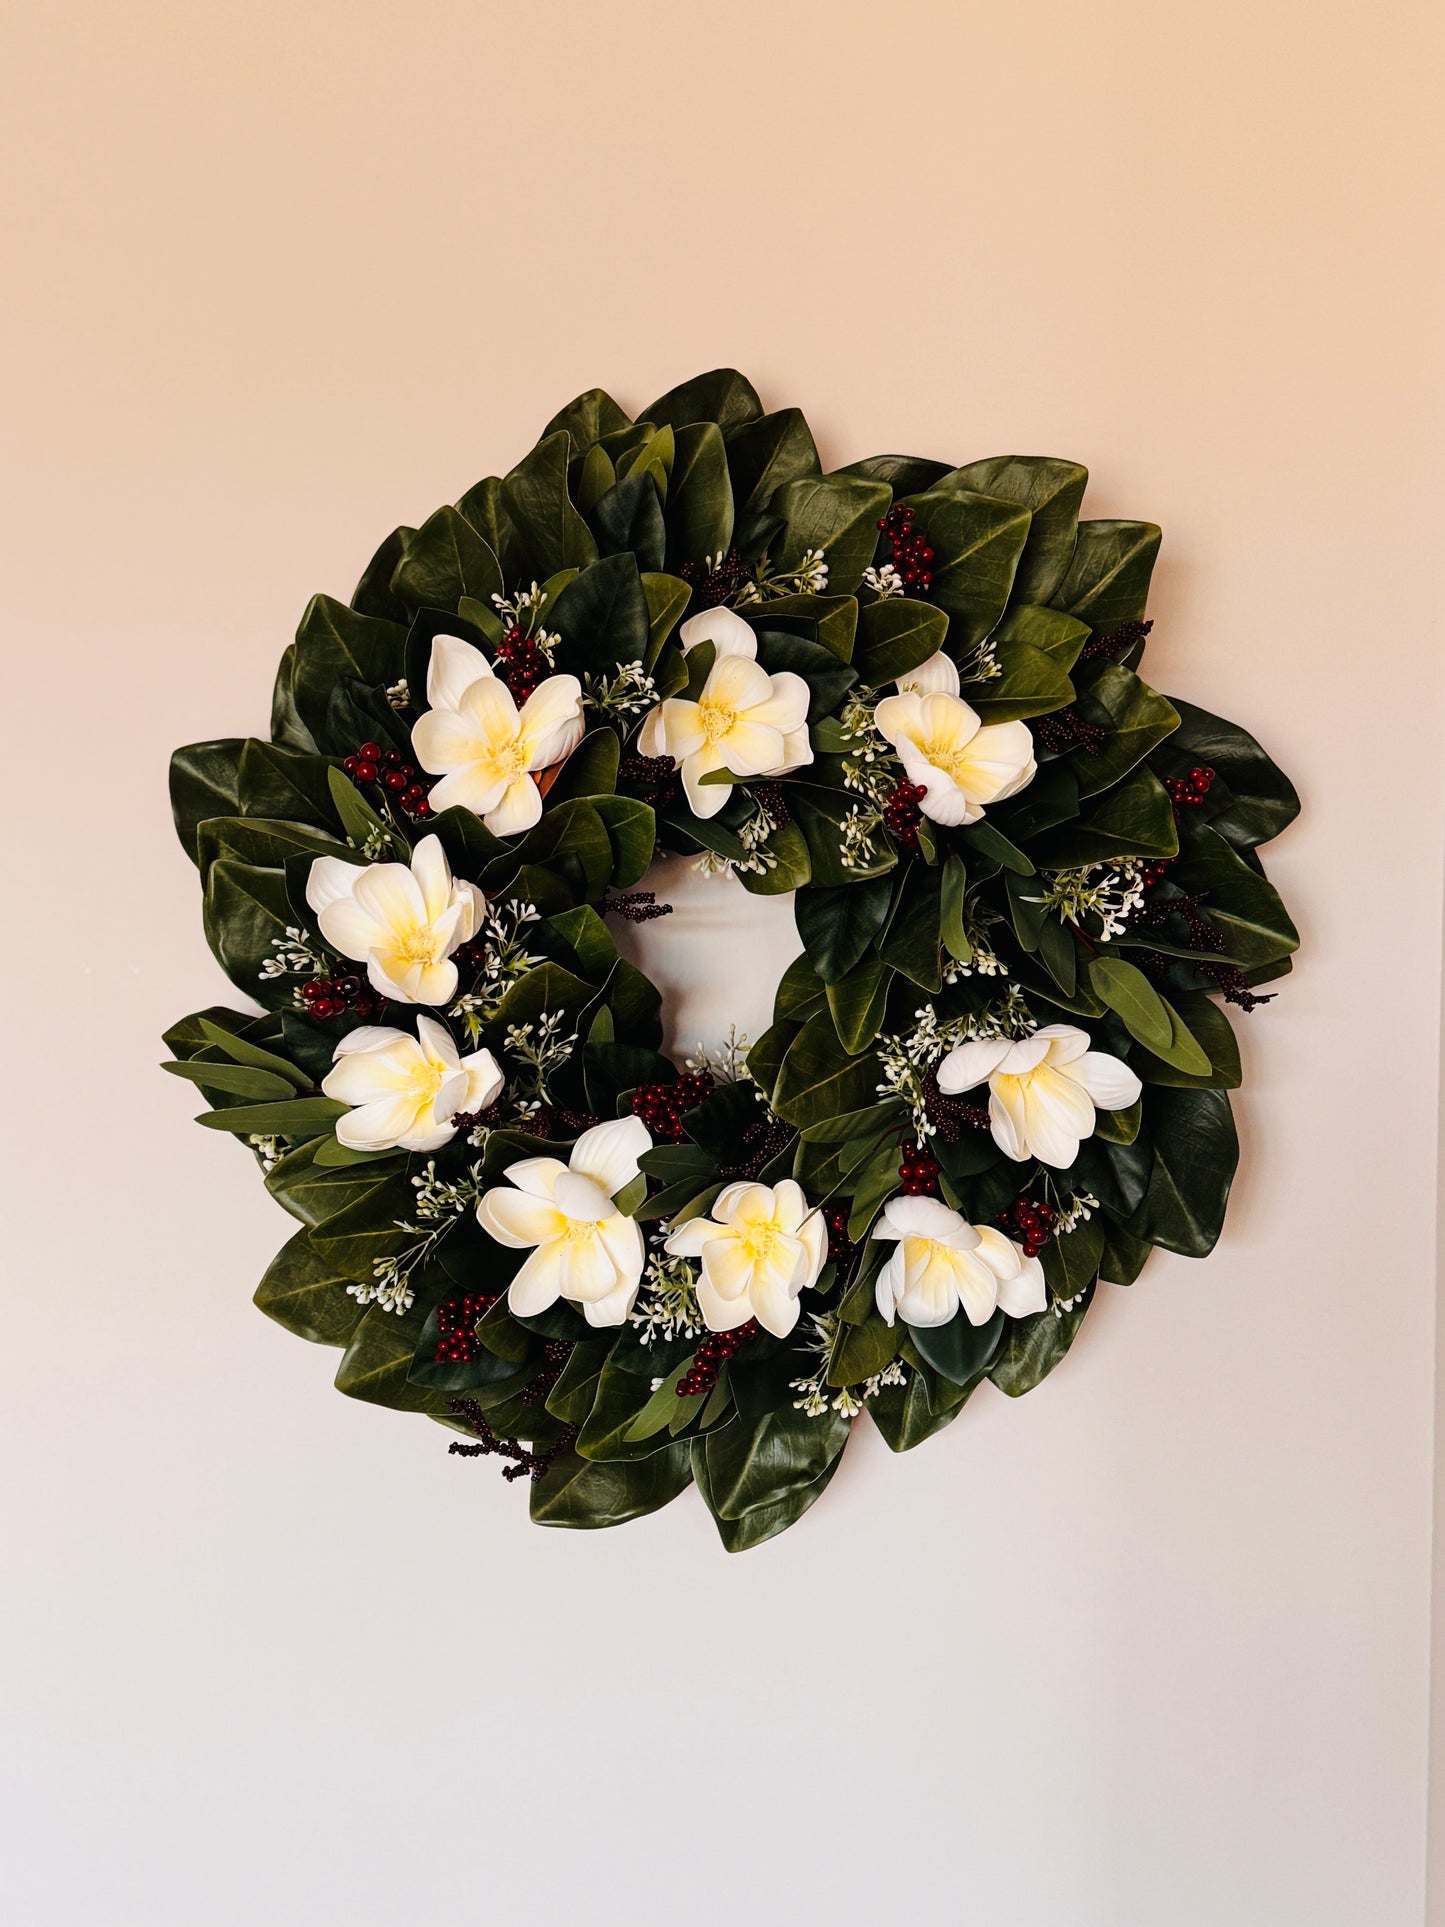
x: 840, y: 1245
x: 371, y: 764
x: 712, y: 587
x: 555, y: 1354
x: 1188, y: 792
x: 334, y: 996
x: 917, y: 1172
x: 711, y: 1355
x: 651, y: 779
x: 1154, y: 872
x: 1065, y: 728
x: 520, y: 664
x: 950, y: 1115
x: 662, y: 1107
x: 457, y: 1325
x: 902, y: 814
x: 559, y: 1120
x: 912, y: 556
x: 1032, y: 1224
x: 1113, y: 643
x: 762, y: 1142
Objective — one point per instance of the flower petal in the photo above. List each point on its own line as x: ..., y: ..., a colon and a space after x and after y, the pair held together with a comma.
x: 518, y: 808
x: 451, y: 670
x: 726, y: 631
x: 484, y: 1080
x: 727, y: 1266
x: 609, y: 1152
x: 538, y: 1285
x: 513, y: 1218
x: 378, y: 1126
x: 1107, y: 1079
x: 705, y: 799
x: 329, y: 880
x: 940, y: 672
x: 786, y: 707
x: 969, y: 1064
x: 721, y: 1314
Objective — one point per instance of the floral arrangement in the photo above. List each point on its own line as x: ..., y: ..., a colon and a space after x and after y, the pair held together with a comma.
x: 998, y: 1072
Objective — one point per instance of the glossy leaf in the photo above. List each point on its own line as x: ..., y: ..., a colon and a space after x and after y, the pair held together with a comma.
x: 1108, y: 579
x: 819, y: 1078
x: 1034, y: 1346
x: 444, y: 560
x: 699, y: 516
x: 1051, y: 491
x: 835, y: 513
x: 976, y: 547
x: 758, y: 1462
x: 602, y: 616
x: 896, y: 635
x: 307, y: 1295
x: 722, y: 396
x: 837, y: 925
x: 550, y: 531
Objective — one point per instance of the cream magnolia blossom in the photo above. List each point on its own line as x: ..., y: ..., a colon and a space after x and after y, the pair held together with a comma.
x: 760, y: 1247
x: 405, y: 1090
x: 744, y: 720
x: 960, y: 762
x: 586, y: 1250
x: 1042, y: 1090
x: 486, y: 750
x: 938, y: 675
x: 941, y: 1261
x: 402, y: 923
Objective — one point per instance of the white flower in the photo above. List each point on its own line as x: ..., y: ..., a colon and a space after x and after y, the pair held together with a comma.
x: 961, y: 762
x: 586, y: 1250
x: 403, y: 924
x: 1042, y: 1090
x: 745, y: 721
x: 761, y: 1246
x: 483, y: 747
x: 942, y: 1261
x: 406, y: 1090
x: 937, y: 676
x: 728, y: 634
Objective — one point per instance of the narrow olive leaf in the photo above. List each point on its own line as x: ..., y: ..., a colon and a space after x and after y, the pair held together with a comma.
x: 1131, y: 996
x: 992, y: 844
x: 238, y: 1080
x: 358, y: 818
x: 953, y: 889
x: 298, y: 1116
x: 245, y: 1052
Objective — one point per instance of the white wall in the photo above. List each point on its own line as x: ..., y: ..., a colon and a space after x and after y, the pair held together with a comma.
x: 1147, y: 1649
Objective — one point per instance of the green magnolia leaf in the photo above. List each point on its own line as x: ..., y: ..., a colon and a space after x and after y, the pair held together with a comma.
x: 1108, y: 579
x: 376, y: 1361
x: 245, y: 910
x: 1136, y: 718
x: 908, y: 1414
x: 976, y: 542
x: 551, y: 533
x: 959, y: 1351
x: 758, y: 1462
x: 1032, y: 684
x: 1071, y: 1261
x: 699, y: 516
x: 652, y: 457
x: 204, y: 782
x: 1238, y: 899
x: 602, y: 616
x: 1051, y: 491
x: 308, y: 1296
x: 819, y: 1078
x: 989, y: 842
x: 1195, y: 1153
x: 591, y: 769
x: 1134, y: 819
x: 913, y: 945
x: 593, y: 414
x: 722, y: 396
x: 667, y: 597
x: 837, y: 925
x: 837, y: 514
x: 628, y: 519
x: 444, y: 560
x: 1032, y: 1347
x: 858, y: 1002
x: 904, y: 474
x: 762, y: 456
x: 896, y: 635
x: 831, y: 620
x: 372, y: 595
x: 1213, y: 1032
x: 1253, y: 800
x: 596, y: 477
x: 1050, y: 631
x: 760, y: 1522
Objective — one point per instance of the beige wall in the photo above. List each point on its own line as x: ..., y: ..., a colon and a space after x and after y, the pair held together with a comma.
x: 1146, y: 1650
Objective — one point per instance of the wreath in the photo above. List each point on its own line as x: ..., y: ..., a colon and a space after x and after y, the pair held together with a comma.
x: 998, y: 1073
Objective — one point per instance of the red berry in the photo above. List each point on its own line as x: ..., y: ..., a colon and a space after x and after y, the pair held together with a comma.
x: 365, y: 771
x: 394, y: 780
x: 370, y: 752
x: 351, y: 765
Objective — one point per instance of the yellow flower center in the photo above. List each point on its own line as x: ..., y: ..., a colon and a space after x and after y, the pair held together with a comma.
x: 949, y: 756
x: 512, y: 757
x: 580, y: 1231
x: 420, y: 944
x: 758, y: 1239
x: 718, y: 719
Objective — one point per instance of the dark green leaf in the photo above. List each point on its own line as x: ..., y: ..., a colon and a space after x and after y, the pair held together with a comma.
x: 1135, y: 819
x: 896, y: 635
x: 1051, y: 491
x: 762, y: 456
x: 602, y: 616
x: 444, y: 560
x: 722, y: 396
x: 594, y: 413
x: 699, y: 515
x: 1033, y: 1346
x: 837, y: 925
x: 976, y: 544
x: 759, y: 1462
x: 959, y: 1351
x: 1195, y: 1153
x: 551, y: 532
x: 1108, y: 579
x: 837, y: 514
x: 818, y: 1078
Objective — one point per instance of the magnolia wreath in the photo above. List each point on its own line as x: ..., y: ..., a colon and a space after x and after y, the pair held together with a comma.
x: 998, y: 1073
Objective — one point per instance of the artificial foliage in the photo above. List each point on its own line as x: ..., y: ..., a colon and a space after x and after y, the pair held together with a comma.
x: 1027, y: 891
